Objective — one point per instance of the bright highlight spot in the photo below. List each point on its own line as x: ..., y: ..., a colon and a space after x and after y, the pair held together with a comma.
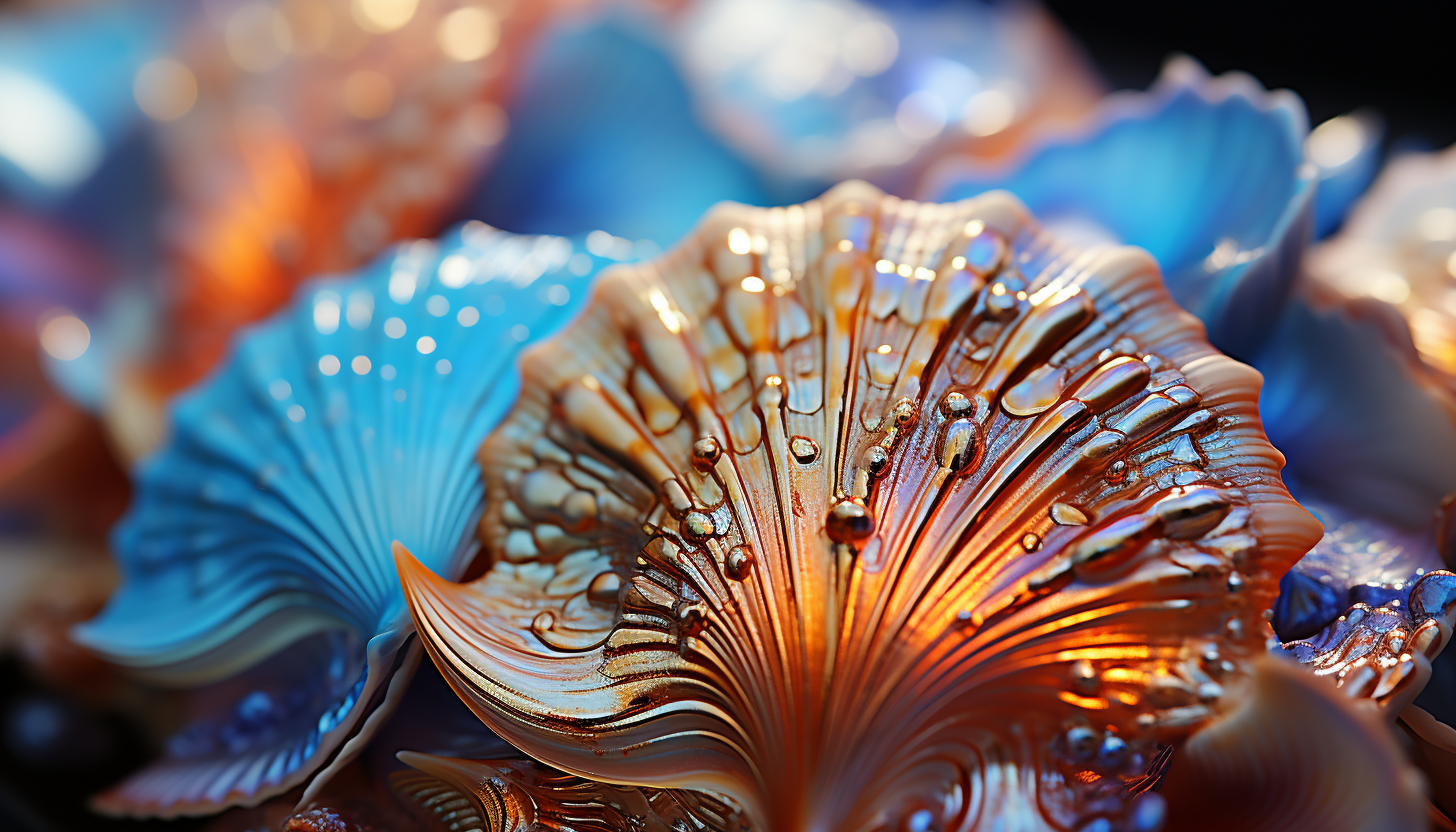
x: 883, y: 349
x: 64, y: 336
x: 738, y: 241
x: 753, y: 284
x: 379, y: 16
x: 295, y: 413
x: 360, y: 364
x: 329, y: 365
x: 394, y: 328
x: 1387, y: 286
x: 1438, y: 224
x: 425, y: 345
x: 164, y: 89
x: 469, y: 34
x: 442, y: 367
x: 1335, y: 142
x: 455, y: 271
x: 53, y: 143
x: 468, y: 316
x: 988, y: 113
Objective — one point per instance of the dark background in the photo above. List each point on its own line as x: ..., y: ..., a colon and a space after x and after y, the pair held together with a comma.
x: 1398, y: 58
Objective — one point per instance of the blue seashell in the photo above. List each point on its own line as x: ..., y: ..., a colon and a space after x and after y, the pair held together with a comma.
x: 1207, y: 174
x: 1305, y: 606
x: 604, y: 136
x: 818, y: 91
x: 1346, y: 151
x: 262, y: 530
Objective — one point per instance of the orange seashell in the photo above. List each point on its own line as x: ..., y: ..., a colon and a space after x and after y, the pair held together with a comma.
x: 866, y: 513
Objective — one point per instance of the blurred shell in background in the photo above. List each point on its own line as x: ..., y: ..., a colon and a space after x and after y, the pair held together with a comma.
x: 1206, y: 173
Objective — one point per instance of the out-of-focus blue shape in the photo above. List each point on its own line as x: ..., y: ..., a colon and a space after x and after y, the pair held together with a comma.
x: 603, y: 136
x: 1346, y: 151
x: 1370, y: 443
x: 1207, y: 174
x: 66, y: 91
x: 825, y: 90
x: 262, y: 530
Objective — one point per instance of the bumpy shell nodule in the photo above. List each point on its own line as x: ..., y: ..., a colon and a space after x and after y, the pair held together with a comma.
x: 866, y: 512
x: 262, y: 531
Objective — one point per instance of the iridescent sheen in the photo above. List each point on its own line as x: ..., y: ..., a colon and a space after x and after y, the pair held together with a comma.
x: 866, y: 513
x: 1208, y: 174
x: 261, y: 532
x: 818, y: 91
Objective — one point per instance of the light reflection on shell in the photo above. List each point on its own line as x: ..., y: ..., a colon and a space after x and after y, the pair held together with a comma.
x: 256, y: 553
x: 1031, y: 552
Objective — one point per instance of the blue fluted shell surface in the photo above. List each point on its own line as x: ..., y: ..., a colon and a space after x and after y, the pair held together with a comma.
x: 604, y: 135
x: 1206, y: 173
x: 336, y: 429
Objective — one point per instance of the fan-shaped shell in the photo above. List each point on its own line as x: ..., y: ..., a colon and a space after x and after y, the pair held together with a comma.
x: 865, y: 510
x: 1206, y: 173
x: 344, y: 425
x: 371, y: 132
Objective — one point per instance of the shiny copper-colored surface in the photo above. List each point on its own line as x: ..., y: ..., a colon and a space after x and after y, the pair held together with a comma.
x: 864, y: 513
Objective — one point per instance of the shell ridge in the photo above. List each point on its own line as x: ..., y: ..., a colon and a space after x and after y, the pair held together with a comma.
x: 1032, y: 520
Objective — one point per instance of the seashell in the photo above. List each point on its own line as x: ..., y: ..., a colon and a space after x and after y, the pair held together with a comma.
x: 1294, y: 755
x: 372, y: 129
x: 817, y: 92
x: 1433, y: 748
x: 603, y: 129
x: 1029, y: 555
x: 1398, y: 248
x: 1371, y: 449
x: 521, y: 794
x: 336, y: 430
x: 1146, y: 170
x: 1346, y: 152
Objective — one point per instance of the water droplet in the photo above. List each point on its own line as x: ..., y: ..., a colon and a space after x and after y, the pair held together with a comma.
x: 804, y: 449
x: 697, y: 526
x: 739, y: 562
x: 706, y: 452
x: 849, y: 521
x: 1117, y: 471
x: 955, y: 404
x: 543, y: 622
x: 1030, y: 542
x: 1084, y: 676
x: 876, y: 460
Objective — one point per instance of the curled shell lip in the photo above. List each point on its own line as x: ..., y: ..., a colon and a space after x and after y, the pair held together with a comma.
x: 1295, y: 754
x: 339, y: 427
x: 1145, y: 168
x: 846, y: 636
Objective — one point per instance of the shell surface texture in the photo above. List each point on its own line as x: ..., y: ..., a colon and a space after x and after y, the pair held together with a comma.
x: 262, y: 531
x: 866, y: 513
